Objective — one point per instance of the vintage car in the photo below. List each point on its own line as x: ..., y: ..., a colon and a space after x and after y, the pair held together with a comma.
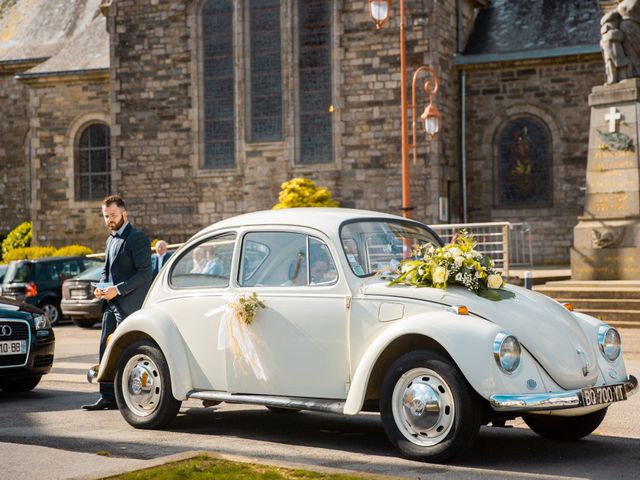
x: 27, y: 343
x: 436, y: 364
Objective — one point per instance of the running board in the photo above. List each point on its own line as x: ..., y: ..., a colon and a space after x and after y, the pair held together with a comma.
x: 318, y: 405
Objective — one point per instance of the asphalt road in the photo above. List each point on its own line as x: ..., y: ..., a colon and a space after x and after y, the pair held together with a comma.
x: 45, y: 435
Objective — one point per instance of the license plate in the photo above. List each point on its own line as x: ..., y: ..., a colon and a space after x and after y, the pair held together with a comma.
x: 13, y: 347
x: 605, y: 394
x: 78, y: 294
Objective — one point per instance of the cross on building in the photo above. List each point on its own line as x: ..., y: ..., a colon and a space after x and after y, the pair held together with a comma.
x: 612, y: 117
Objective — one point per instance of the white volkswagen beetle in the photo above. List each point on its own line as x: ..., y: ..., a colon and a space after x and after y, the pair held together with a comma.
x: 335, y: 337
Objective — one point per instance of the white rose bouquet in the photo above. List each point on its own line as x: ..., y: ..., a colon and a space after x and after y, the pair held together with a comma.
x: 457, y: 263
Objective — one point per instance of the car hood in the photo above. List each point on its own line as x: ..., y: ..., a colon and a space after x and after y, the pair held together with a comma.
x: 544, y: 327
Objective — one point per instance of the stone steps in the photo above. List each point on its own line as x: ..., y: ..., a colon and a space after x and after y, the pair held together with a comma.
x: 615, y: 302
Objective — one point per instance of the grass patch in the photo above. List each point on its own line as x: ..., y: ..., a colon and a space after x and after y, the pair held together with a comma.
x: 204, y: 467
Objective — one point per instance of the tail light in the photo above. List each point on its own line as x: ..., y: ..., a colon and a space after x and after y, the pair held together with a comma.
x: 30, y: 289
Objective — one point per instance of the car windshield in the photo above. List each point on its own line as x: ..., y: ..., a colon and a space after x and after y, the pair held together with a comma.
x: 373, y: 246
x: 18, y: 272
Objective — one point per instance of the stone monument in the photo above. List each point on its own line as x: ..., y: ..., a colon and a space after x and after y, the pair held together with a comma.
x: 607, y: 237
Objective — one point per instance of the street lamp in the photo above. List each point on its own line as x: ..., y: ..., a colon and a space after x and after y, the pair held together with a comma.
x: 380, y: 11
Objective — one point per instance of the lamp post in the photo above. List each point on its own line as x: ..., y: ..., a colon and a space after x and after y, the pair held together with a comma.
x: 380, y: 11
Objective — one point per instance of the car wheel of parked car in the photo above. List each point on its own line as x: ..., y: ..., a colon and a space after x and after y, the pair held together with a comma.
x: 143, y: 387
x: 52, y: 311
x: 83, y: 322
x: 565, y: 428
x: 23, y: 384
x: 428, y: 410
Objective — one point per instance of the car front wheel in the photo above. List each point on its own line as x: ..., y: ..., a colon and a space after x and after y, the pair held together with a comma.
x: 428, y: 410
x: 565, y: 428
x: 143, y: 387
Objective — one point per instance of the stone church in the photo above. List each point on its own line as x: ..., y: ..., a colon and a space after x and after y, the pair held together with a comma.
x: 196, y: 110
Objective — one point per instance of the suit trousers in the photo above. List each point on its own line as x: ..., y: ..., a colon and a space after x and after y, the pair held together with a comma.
x: 111, y: 318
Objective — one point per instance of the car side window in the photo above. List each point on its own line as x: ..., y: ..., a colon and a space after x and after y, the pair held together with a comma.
x: 69, y: 269
x: 47, y: 272
x: 207, y: 264
x: 285, y: 259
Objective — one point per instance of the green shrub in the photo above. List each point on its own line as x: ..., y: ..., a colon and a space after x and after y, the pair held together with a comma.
x: 19, y: 237
x: 29, y: 253
x: 72, y: 250
x: 303, y: 192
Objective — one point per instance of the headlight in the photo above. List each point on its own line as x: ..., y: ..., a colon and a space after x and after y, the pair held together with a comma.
x: 506, y: 351
x: 42, y: 322
x: 609, y: 342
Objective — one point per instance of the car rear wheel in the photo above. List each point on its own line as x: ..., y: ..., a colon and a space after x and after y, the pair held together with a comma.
x: 52, y: 311
x: 143, y: 387
x: 565, y: 428
x: 83, y: 322
x: 23, y: 384
x: 428, y: 410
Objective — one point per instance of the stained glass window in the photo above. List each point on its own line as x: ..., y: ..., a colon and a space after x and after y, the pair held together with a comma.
x: 524, y: 165
x: 314, y: 75
x: 93, y: 163
x: 266, y: 71
x: 218, y: 69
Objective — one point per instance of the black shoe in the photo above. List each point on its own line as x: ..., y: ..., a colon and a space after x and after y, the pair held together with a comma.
x: 101, y: 404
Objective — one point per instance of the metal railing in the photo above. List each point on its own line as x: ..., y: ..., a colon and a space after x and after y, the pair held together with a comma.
x: 507, y: 244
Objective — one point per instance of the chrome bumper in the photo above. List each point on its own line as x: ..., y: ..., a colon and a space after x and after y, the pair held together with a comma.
x: 548, y: 401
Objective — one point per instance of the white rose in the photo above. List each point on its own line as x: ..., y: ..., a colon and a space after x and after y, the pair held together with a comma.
x: 494, y: 281
x: 456, y: 252
x: 459, y: 260
x: 440, y: 275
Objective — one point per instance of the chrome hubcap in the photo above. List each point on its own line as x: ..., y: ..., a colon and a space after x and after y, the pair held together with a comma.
x: 141, y: 385
x: 423, y: 407
x: 51, y: 312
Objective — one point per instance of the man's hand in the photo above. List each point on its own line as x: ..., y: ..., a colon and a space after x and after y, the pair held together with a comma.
x: 108, y: 293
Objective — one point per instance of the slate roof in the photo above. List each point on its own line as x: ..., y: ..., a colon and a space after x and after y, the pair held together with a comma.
x: 520, y: 27
x: 70, y: 34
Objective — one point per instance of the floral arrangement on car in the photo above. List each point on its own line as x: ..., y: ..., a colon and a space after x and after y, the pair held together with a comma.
x: 239, y: 313
x: 457, y: 263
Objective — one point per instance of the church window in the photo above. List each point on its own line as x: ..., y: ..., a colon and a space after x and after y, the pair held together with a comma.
x: 314, y: 80
x: 93, y: 163
x: 524, y: 164
x: 266, y: 71
x: 219, y: 78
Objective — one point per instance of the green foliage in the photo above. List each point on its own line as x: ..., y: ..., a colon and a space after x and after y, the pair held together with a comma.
x: 19, y: 237
x: 303, y: 192
x: 29, y: 253
x: 72, y: 251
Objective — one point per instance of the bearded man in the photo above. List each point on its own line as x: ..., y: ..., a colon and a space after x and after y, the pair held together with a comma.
x: 125, y: 280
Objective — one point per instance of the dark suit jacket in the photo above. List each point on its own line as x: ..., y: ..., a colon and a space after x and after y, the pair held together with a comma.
x: 154, y: 263
x: 130, y: 269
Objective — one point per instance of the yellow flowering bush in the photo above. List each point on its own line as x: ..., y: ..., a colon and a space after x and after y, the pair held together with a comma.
x: 457, y: 263
x: 303, y: 192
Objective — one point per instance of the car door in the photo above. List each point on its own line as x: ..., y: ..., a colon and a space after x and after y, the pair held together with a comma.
x: 196, y: 299
x: 300, y: 338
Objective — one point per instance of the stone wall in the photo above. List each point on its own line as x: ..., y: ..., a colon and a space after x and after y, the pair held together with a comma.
x: 156, y: 107
x: 556, y: 92
x: 14, y: 163
x: 59, y: 108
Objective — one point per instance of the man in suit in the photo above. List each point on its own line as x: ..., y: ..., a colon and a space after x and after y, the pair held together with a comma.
x: 159, y: 258
x: 126, y: 278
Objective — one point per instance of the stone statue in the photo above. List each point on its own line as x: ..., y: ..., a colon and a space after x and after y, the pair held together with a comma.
x: 620, y: 41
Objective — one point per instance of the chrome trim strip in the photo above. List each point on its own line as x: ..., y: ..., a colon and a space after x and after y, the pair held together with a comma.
x: 28, y: 340
x: 318, y: 405
x: 548, y: 401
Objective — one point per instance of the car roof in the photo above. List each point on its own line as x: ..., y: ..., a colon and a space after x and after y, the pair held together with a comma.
x: 51, y: 259
x: 324, y: 219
